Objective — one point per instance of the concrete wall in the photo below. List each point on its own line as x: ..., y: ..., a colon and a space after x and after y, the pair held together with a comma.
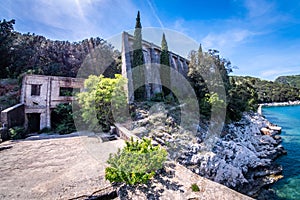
x: 13, y: 116
x: 124, y: 133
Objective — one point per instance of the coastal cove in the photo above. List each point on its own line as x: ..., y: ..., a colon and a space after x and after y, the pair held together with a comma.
x: 288, y: 117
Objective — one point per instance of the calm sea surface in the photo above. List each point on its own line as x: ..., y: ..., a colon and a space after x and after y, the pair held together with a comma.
x: 288, y: 117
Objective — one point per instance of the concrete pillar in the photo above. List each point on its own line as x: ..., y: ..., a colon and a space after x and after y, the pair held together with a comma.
x: 43, y: 120
x: 126, y: 67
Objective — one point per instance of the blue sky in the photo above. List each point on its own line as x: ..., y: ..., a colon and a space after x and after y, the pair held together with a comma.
x: 260, y: 37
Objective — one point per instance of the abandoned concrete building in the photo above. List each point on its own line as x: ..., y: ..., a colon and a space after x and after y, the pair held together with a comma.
x: 39, y: 96
x: 151, y: 54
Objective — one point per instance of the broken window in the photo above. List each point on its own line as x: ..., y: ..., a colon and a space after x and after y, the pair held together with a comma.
x: 35, y: 90
x: 68, y: 91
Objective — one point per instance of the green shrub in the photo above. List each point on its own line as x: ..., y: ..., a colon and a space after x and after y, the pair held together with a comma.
x: 17, y: 132
x: 135, y: 163
x: 195, y: 187
x: 103, y: 102
x: 62, y: 119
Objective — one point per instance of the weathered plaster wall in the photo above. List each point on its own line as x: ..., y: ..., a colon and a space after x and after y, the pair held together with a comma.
x: 49, y: 96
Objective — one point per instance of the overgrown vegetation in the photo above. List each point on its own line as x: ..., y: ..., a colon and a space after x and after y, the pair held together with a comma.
x: 208, y: 74
x: 17, y: 132
x: 136, y: 163
x: 103, y: 101
x: 62, y: 119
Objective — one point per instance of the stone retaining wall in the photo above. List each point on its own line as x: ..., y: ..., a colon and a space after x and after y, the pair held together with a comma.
x: 124, y: 133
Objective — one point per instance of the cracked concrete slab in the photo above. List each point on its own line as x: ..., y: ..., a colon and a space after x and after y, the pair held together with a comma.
x: 54, y: 167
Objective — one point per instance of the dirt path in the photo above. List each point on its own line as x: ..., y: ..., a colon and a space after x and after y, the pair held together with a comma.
x: 54, y: 168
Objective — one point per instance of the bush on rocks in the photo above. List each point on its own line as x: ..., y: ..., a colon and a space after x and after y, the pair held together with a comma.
x: 136, y: 163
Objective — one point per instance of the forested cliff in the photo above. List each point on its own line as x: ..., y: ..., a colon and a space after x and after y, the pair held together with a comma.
x: 293, y: 81
x: 266, y: 91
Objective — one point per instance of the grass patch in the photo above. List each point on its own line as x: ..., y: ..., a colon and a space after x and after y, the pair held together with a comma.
x: 195, y: 187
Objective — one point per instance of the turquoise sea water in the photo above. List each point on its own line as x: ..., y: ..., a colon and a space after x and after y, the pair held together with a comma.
x: 288, y: 117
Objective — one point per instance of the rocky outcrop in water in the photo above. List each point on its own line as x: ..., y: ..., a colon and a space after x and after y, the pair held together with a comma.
x: 242, y: 157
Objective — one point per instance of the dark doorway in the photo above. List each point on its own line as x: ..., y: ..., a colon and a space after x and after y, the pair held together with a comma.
x: 34, y: 120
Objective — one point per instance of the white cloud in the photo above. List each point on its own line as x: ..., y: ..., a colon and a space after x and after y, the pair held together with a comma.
x: 179, y: 25
x: 230, y: 38
x: 274, y: 72
x: 263, y: 14
x: 73, y: 19
x: 258, y: 8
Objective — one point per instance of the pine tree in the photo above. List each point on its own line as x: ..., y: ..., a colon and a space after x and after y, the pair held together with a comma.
x: 165, y: 71
x: 138, y: 61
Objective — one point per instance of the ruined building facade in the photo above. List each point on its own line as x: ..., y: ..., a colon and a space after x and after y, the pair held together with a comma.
x: 151, y: 54
x: 39, y: 96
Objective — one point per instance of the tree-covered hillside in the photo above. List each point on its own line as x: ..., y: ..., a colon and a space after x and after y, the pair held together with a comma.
x: 30, y: 53
x: 267, y: 91
x: 293, y: 81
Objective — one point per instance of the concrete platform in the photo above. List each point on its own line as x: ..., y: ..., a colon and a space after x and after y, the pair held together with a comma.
x: 55, y: 167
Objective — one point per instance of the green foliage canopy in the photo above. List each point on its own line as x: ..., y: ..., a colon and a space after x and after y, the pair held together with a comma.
x: 103, y: 101
x: 7, y: 36
x: 267, y: 91
x: 208, y: 74
x: 62, y: 119
x: 23, y: 53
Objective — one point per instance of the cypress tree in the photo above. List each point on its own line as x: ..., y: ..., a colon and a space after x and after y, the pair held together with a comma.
x: 165, y: 72
x: 138, y: 61
x: 164, y: 56
x: 200, y: 55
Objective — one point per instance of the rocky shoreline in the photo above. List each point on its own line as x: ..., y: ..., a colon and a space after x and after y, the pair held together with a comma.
x: 289, y: 103
x: 242, y: 157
